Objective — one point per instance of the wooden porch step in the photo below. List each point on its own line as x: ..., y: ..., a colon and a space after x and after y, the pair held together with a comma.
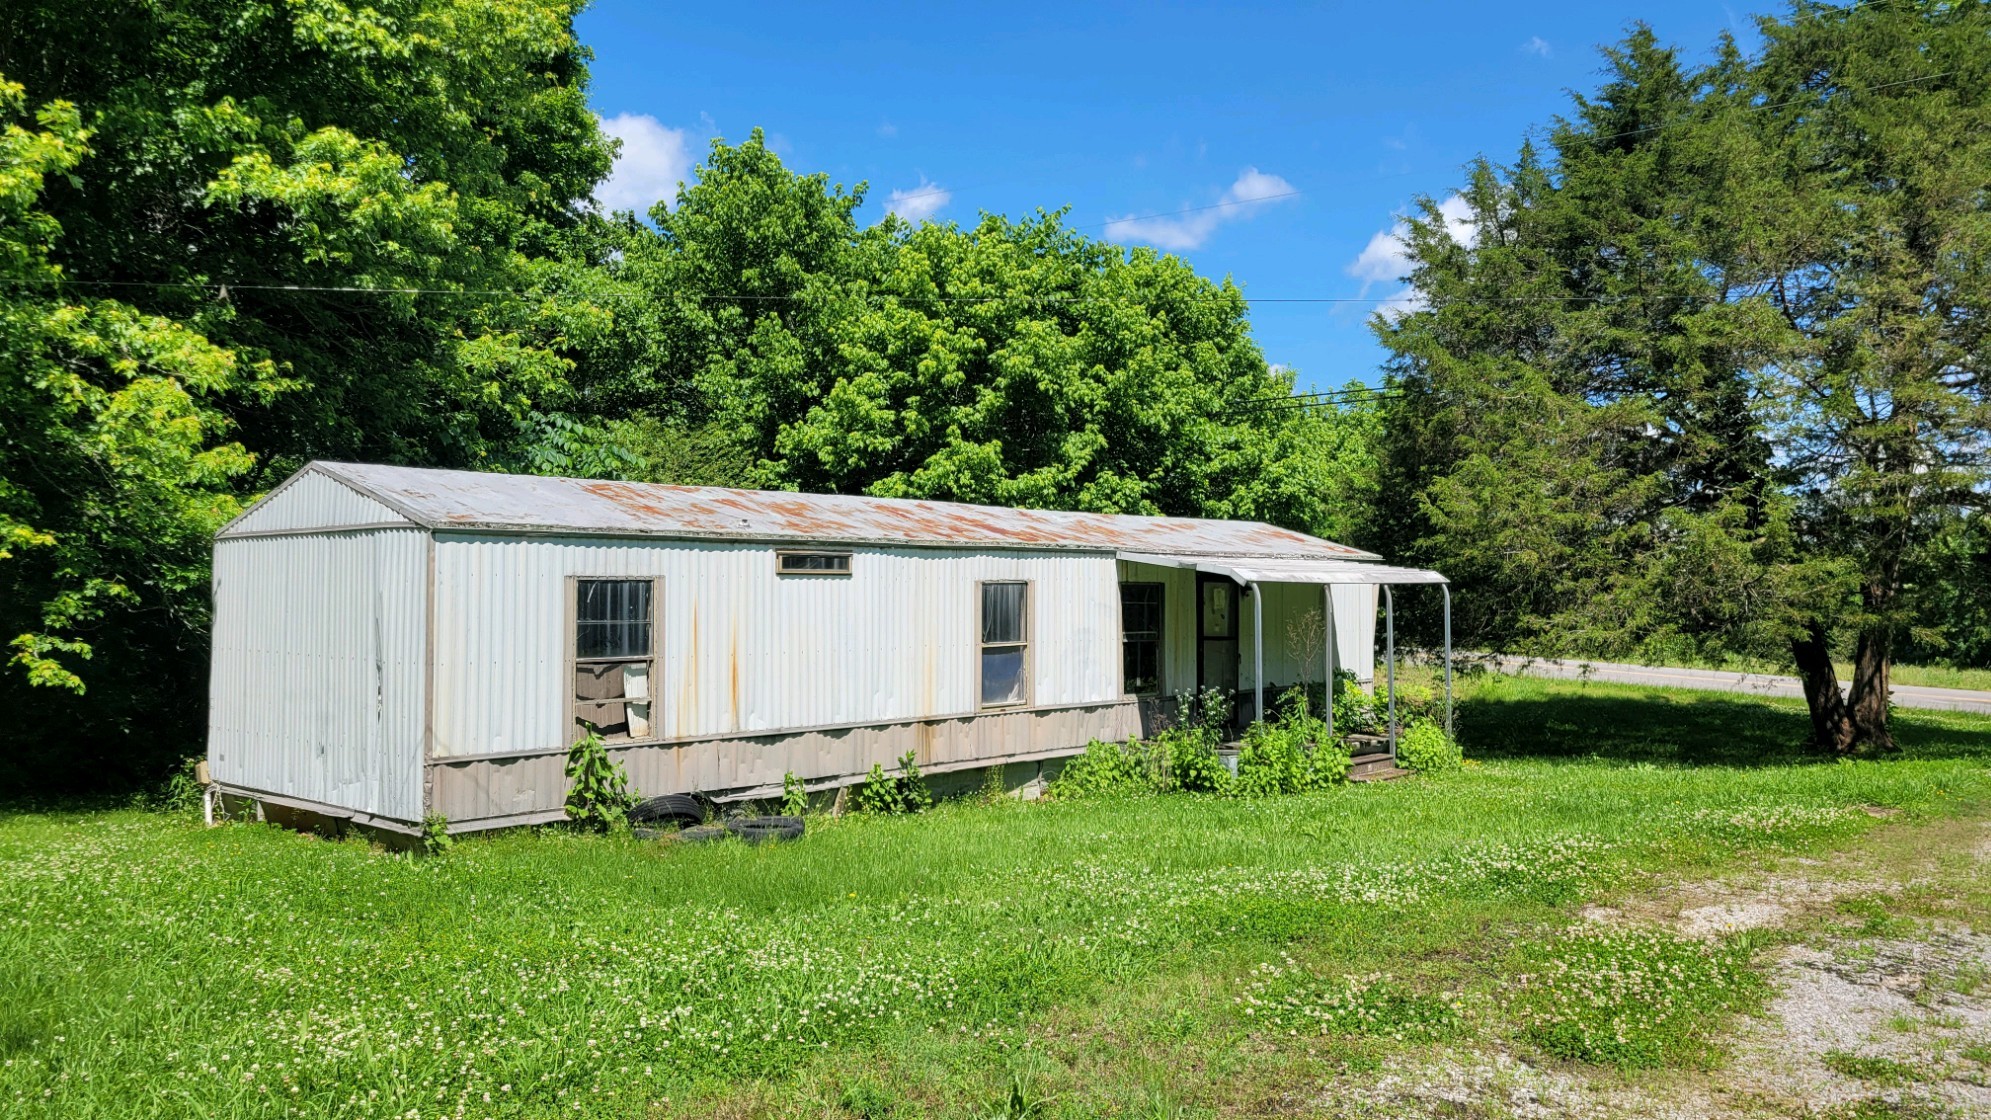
x: 1378, y: 767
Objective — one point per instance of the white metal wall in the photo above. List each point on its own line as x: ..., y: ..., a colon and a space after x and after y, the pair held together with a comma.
x: 317, y: 680
x: 313, y: 501
x: 743, y: 649
x: 1354, y: 624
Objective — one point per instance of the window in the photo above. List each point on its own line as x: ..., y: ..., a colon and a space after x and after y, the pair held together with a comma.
x: 1140, y: 638
x: 812, y: 563
x: 614, y: 656
x: 1005, y: 644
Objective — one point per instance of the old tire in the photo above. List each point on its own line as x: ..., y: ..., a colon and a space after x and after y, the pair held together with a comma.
x: 703, y: 833
x: 679, y: 809
x: 755, y: 830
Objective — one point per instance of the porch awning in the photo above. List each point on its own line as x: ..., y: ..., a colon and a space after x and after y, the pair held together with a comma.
x: 1250, y: 569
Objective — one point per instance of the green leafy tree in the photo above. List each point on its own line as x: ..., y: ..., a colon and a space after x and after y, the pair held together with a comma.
x: 1013, y: 363
x: 116, y: 462
x: 238, y: 236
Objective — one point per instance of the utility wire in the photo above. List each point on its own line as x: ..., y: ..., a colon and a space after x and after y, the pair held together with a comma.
x: 227, y: 286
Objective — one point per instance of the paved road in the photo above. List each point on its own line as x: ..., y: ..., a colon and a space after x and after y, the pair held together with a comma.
x: 1717, y: 680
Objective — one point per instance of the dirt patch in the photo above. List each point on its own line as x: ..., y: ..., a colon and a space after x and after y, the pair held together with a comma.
x: 1879, y: 1016
x: 1903, y: 1021
x: 1497, y: 1086
x: 1731, y: 917
x: 1716, y: 908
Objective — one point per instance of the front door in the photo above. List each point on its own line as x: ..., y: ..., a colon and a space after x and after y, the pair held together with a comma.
x: 1216, y: 634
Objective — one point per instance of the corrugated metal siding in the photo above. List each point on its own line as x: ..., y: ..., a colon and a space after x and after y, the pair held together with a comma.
x: 313, y: 501
x: 484, y: 788
x: 317, y: 685
x: 743, y: 649
x: 1355, y: 626
x: 1354, y: 623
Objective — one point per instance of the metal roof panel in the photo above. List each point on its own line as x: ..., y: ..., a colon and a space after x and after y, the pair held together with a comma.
x: 471, y: 500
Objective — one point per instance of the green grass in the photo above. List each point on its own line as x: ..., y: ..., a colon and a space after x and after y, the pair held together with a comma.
x: 1102, y: 954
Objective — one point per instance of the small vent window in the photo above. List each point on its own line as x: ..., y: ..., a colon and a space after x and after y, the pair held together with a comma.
x: 813, y: 563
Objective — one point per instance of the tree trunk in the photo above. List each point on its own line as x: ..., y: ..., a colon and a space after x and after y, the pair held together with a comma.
x: 1831, y: 719
x: 1873, y: 658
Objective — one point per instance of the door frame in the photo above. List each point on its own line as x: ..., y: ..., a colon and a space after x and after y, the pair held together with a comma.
x: 1204, y: 579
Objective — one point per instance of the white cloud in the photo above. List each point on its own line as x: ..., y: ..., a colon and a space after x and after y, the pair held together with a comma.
x: 887, y: 129
x: 653, y: 161
x: 1191, y: 228
x: 920, y: 203
x: 1386, y: 258
x: 1537, y: 46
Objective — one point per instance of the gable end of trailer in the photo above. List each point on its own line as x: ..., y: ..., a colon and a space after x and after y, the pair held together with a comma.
x: 313, y: 501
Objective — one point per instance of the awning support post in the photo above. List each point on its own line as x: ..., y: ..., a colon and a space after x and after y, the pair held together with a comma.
x: 1389, y: 661
x: 1257, y: 654
x: 1447, y: 589
x: 1327, y: 691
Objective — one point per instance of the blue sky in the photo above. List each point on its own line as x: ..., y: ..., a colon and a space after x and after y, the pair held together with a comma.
x: 1299, y: 131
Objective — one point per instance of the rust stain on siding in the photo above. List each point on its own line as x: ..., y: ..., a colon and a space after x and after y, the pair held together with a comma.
x: 687, y: 705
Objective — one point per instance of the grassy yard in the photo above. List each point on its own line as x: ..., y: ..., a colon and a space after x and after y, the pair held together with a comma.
x: 1160, y: 956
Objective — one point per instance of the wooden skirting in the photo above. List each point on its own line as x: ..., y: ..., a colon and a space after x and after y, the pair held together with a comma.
x: 494, y: 791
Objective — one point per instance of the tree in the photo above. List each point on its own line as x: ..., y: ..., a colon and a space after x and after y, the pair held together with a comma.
x: 1705, y: 379
x: 240, y: 236
x: 1012, y: 363
x: 1881, y: 117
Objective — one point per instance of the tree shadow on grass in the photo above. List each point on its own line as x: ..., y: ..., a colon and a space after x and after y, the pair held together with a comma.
x: 1509, y: 718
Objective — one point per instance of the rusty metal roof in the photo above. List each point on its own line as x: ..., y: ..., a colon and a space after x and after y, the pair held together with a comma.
x: 470, y: 500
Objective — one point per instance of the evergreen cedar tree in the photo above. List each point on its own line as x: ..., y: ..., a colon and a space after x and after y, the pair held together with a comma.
x: 1707, y: 374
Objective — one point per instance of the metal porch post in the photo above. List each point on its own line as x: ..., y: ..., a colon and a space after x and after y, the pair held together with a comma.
x: 1447, y: 589
x: 1257, y: 654
x: 1327, y: 692
x: 1389, y: 655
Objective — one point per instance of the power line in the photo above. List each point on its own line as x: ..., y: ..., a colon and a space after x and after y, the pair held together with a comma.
x: 1303, y: 406
x: 1354, y: 390
x: 226, y: 286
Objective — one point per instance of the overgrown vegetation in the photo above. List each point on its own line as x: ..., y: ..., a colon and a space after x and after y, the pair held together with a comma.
x: 1081, y: 943
x: 1425, y: 748
x: 1293, y: 752
x: 794, y: 795
x: 598, y: 795
x: 237, y: 236
x: 892, y: 794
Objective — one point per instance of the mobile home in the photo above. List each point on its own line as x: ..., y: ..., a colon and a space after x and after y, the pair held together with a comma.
x: 391, y: 643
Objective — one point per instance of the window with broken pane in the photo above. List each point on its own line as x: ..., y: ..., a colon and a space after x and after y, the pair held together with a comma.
x: 614, y: 656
